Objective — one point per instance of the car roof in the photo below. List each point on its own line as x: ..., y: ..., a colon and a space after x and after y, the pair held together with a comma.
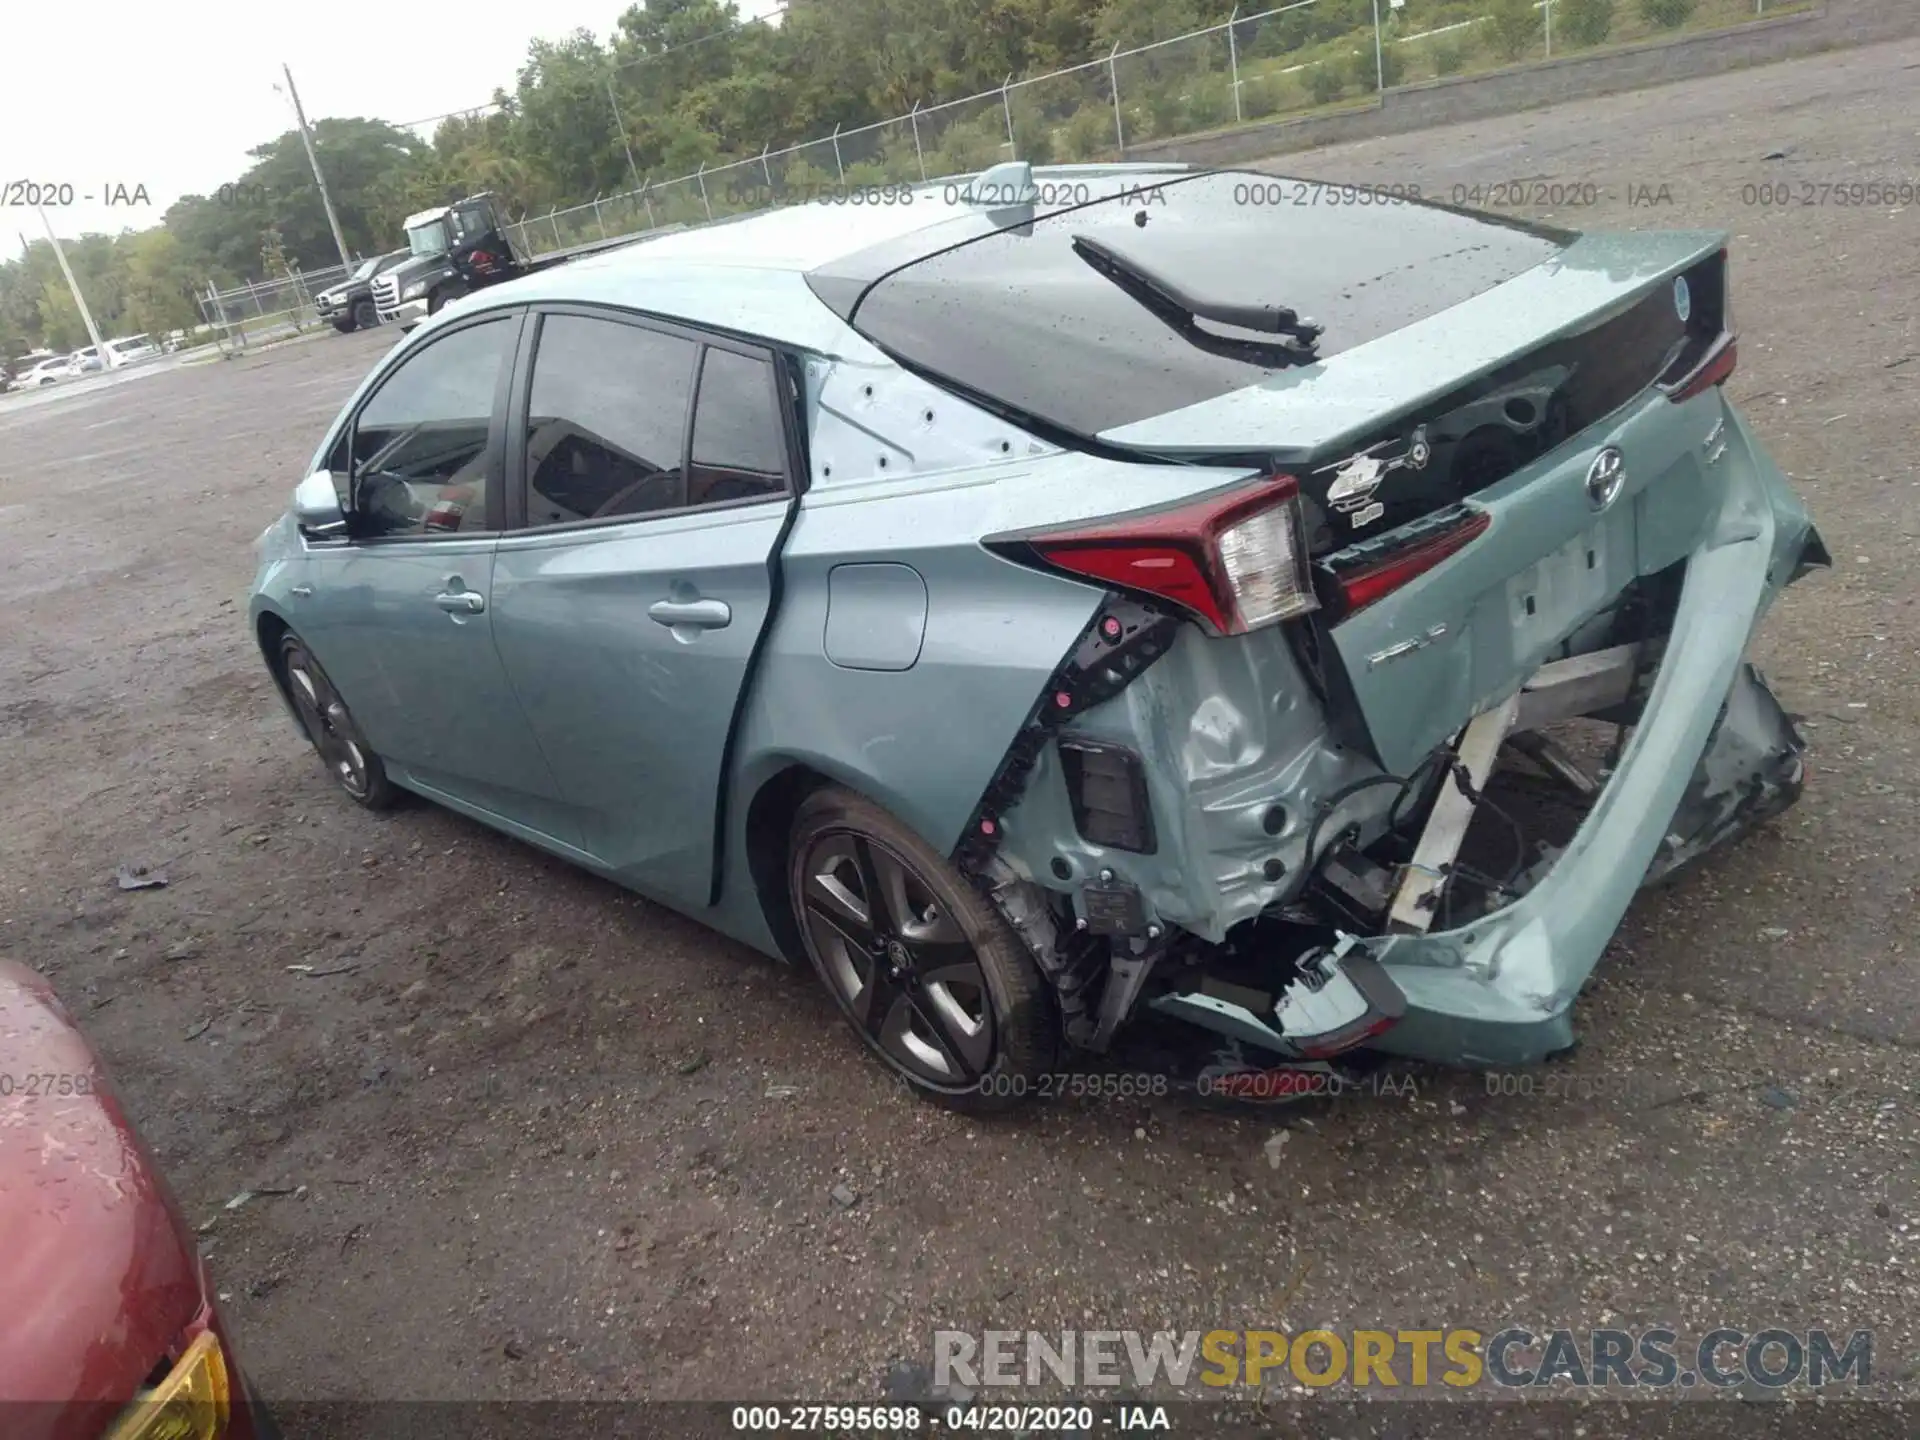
x: 748, y: 273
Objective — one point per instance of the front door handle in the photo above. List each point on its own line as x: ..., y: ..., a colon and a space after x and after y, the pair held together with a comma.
x: 701, y: 614
x: 466, y: 602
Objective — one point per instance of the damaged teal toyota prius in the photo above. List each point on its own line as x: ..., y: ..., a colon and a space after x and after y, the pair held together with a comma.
x: 1003, y: 597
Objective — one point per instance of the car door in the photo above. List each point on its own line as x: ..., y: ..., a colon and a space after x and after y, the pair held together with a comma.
x: 649, y: 493
x: 398, y: 611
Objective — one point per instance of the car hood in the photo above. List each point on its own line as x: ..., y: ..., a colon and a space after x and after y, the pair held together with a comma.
x: 100, y: 1277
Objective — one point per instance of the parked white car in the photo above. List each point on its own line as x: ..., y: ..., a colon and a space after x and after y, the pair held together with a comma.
x: 54, y: 367
x: 132, y: 348
x: 85, y: 362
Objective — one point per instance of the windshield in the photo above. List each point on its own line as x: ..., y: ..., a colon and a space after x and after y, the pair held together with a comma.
x: 428, y: 239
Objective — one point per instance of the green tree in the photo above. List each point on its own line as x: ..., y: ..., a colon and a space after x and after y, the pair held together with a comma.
x: 1449, y: 55
x: 1368, y: 69
x: 160, y: 282
x: 562, y: 127
x: 1585, y: 22
x: 61, y: 327
x: 1514, y: 27
x: 1325, y: 82
x: 1141, y: 22
x: 1668, y: 14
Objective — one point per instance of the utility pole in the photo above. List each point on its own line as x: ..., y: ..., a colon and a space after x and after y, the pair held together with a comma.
x: 614, y: 105
x: 306, y: 138
x: 79, y: 300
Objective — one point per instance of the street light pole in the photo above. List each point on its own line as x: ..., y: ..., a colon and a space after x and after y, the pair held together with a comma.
x: 306, y: 138
x: 79, y: 300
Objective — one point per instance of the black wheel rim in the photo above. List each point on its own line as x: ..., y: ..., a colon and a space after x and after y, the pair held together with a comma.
x: 898, y: 962
x: 328, y: 724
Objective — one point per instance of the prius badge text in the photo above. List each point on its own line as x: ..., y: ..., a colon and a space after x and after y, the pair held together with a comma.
x: 1356, y: 478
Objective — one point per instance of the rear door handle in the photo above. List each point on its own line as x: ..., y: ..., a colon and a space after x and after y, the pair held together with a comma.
x: 701, y: 614
x: 467, y: 602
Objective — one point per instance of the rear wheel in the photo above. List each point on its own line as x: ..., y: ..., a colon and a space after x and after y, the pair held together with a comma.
x: 342, y: 749
x: 926, y: 971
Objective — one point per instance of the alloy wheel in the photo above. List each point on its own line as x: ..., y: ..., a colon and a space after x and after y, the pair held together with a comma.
x: 329, y: 725
x: 901, y: 965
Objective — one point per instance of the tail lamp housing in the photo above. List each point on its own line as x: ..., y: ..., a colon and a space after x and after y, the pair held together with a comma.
x: 1365, y: 574
x: 1712, y: 351
x: 1235, y: 562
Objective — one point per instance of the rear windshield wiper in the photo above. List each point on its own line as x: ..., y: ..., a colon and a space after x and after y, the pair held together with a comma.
x: 1183, y: 311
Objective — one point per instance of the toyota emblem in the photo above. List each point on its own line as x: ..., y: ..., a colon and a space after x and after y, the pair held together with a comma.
x: 1605, y: 477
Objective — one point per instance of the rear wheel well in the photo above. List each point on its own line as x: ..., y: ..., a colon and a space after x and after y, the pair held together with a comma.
x: 769, y: 826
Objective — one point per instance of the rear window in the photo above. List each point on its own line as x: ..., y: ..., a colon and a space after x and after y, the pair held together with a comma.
x: 1020, y: 318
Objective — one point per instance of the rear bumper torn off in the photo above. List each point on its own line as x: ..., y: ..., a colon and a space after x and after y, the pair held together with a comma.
x: 1712, y: 754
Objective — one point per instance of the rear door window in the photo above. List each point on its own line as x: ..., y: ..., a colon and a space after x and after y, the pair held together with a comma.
x: 606, y: 421
x: 739, y: 449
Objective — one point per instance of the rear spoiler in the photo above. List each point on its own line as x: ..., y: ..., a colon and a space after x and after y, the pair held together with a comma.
x: 1321, y: 407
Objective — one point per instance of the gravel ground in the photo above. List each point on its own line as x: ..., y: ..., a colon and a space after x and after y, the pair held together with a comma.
x: 555, y: 1141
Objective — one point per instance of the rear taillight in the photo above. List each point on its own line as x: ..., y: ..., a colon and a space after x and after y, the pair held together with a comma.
x: 1370, y: 573
x: 1712, y: 352
x: 1715, y: 368
x: 1237, y: 562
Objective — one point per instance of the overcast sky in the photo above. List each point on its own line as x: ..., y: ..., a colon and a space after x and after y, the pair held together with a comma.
x: 107, y: 93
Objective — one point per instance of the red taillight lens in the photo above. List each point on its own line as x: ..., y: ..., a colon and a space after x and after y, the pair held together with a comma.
x: 1238, y: 561
x: 1374, y: 578
x: 1715, y: 369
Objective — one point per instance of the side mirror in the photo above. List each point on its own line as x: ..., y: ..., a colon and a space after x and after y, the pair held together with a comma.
x: 316, y: 506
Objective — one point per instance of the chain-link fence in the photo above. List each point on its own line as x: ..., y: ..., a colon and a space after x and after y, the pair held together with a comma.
x: 263, y: 311
x: 1295, y: 59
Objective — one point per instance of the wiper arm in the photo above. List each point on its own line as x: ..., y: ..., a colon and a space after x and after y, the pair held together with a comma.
x: 1183, y: 310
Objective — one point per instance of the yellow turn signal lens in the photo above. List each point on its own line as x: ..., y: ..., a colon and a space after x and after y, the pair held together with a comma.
x: 190, y: 1404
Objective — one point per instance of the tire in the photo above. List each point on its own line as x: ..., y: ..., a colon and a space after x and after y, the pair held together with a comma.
x: 436, y: 301
x: 344, y: 325
x: 355, y: 768
x: 948, y: 999
x: 365, y: 317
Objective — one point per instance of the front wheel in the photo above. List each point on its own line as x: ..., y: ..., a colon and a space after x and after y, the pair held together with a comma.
x: 329, y: 725
x: 365, y: 317
x: 926, y: 971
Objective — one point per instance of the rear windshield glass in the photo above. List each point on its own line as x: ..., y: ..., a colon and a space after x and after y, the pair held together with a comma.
x: 1021, y: 318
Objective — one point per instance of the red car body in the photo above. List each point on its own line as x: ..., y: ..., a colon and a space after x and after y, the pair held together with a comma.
x: 102, y: 1287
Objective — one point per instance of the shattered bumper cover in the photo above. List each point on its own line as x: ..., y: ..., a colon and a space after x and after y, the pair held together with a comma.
x: 1711, y: 755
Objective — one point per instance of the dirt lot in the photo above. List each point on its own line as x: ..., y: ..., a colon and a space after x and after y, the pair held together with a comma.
x: 557, y: 1142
